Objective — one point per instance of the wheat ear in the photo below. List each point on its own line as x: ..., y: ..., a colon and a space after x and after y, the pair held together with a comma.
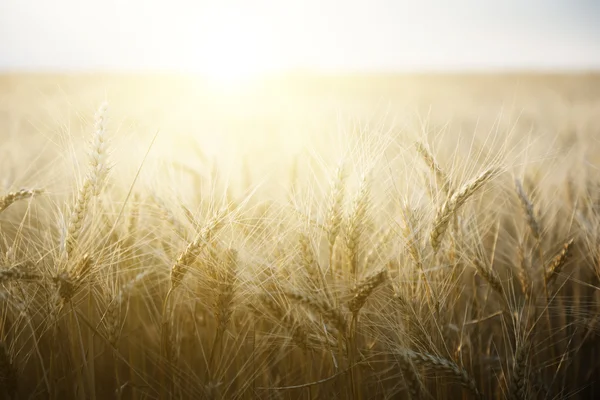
x: 356, y: 221
x: 440, y: 364
x: 527, y: 207
x: 189, y: 255
x: 490, y: 276
x: 523, y: 272
x: 322, y: 308
x: 440, y: 177
x: 93, y: 182
x: 12, y: 197
x: 519, y: 377
x: 451, y: 206
x: 558, y: 262
x: 414, y: 385
x: 365, y: 288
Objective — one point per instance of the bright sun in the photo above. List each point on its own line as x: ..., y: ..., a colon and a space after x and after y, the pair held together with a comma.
x: 230, y: 51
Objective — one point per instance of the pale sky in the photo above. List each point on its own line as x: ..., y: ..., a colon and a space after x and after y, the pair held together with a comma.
x: 257, y: 35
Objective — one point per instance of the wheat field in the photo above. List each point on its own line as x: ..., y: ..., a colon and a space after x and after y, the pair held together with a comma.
x: 355, y: 237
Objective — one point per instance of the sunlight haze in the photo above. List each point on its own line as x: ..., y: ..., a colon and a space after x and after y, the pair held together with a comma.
x: 237, y: 38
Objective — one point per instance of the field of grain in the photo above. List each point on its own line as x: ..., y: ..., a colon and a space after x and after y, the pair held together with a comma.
x: 356, y: 237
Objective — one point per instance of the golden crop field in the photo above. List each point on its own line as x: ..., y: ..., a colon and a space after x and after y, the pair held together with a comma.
x: 305, y: 237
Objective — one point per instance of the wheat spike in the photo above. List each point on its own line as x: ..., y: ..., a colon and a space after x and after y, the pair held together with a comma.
x: 20, y: 272
x: 92, y: 183
x: 489, y: 275
x: 365, y: 288
x: 451, y: 206
x: 527, y: 207
x: 447, y: 366
x: 523, y: 272
x: 189, y: 255
x: 356, y: 220
x: 558, y: 262
x: 519, y: 376
x: 410, y: 375
x: 12, y: 197
x: 322, y: 308
x: 68, y: 282
x: 440, y: 177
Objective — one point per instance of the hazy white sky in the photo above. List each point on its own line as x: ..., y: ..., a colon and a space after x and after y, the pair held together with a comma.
x: 259, y: 35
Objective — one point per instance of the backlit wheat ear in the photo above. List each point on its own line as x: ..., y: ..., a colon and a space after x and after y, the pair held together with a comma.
x: 519, y: 379
x: 93, y: 182
x: 440, y: 177
x: 365, y: 288
x: 99, y: 151
x: 558, y: 262
x: 355, y: 225
x: 452, y: 205
x: 443, y: 365
x: 523, y: 272
x: 320, y: 307
x: 12, y: 197
x: 490, y: 276
x: 68, y: 282
x: 22, y: 272
x: 193, y: 249
x: 410, y: 375
x: 112, y: 321
x: 128, y: 287
x: 527, y: 207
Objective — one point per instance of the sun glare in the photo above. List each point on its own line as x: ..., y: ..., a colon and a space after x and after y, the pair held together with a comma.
x: 229, y: 51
